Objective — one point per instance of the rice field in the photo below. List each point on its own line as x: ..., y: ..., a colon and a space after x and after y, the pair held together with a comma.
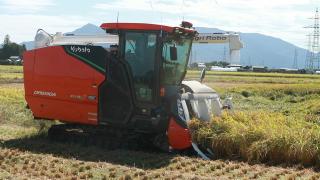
x: 270, y: 109
x: 10, y: 74
x: 272, y: 122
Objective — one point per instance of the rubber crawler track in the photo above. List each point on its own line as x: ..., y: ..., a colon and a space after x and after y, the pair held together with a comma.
x: 109, y: 139
x: 103, y: 137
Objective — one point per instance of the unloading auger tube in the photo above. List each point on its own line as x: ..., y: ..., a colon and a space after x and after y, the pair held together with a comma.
x: 202, y: 102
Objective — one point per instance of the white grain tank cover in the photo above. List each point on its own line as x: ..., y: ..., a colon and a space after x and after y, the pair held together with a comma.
x: 44, y: 39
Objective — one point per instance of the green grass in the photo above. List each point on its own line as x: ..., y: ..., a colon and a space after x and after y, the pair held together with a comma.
x: 253, y: 78
x: 255, y: 74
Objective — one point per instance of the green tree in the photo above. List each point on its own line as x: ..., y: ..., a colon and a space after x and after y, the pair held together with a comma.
x: 217, y: 63
x: 193, y: 65
x: 6, y: 40
x: 11, y: 49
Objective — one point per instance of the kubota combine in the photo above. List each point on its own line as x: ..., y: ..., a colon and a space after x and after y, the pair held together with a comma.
x: 130, y: 80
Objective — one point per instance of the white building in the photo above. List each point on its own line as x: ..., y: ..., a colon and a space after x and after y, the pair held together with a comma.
x: 228, y: 69
x: 237, y: 66
x: 201, y: 65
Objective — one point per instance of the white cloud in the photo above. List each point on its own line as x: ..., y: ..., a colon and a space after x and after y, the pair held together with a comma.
x: 26, y: 6
x: 23, y: 27
x: 281, y: 18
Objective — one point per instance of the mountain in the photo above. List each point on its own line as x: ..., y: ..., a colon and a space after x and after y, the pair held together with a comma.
x: 259, y: 49
x: 270, y: 51
x: 29, y: 44
x: 88, y: 29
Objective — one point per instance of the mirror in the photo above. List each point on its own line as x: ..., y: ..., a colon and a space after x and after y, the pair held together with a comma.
x: 203, y: 74
x: 173, y: 53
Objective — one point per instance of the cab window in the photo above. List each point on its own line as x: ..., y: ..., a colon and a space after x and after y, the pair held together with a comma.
x: 140, y: 49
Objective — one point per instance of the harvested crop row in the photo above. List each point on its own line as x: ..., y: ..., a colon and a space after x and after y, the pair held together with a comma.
x: 11, y: 69
x: 24, y: 164
x: 10, y: 77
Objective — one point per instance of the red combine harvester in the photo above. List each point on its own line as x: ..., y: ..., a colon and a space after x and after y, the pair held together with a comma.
x: 130, y: 80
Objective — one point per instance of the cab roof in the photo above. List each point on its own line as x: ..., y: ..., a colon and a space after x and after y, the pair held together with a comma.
x: 141, y: 26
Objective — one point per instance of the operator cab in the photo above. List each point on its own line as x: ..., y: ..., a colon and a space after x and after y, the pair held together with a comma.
x: 150, y: 61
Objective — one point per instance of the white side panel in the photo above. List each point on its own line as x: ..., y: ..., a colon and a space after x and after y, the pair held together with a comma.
x: 205, y: 102
x: 85, y: 40
x: 44, y: 39
x: 197, y: 87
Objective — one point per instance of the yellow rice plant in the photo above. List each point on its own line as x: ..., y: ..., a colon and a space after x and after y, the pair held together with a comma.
x: 260, y: 137
x: 13, y: 107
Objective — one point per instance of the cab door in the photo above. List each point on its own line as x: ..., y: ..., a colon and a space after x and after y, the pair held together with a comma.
x: 115, y: 97
x: 140, y: 56
x: 132, y: 78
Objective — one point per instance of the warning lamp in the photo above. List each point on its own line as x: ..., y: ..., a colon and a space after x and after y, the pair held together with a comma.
x: 186, y: 24
x: 162, y: 92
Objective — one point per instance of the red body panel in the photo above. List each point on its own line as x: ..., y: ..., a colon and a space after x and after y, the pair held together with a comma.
x: 136, y: 26
x: 62, y: 85
x: 57, y: 86
x: 179, y: 137
x: 142, y: 26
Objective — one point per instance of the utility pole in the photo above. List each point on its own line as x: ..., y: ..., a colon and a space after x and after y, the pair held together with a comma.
x: 313, y: 59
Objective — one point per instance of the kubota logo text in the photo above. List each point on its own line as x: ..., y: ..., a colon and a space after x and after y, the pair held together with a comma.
x: 77, y: 49
x: 44, y: 93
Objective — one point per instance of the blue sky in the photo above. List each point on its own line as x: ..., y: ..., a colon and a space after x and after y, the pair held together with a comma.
x: 284, y: 19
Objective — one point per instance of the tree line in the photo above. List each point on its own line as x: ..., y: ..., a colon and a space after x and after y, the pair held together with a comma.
x: 11, y: 48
